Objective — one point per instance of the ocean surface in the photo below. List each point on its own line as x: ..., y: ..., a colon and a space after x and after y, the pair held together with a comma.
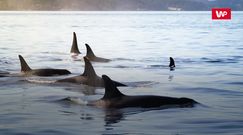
x: 209, y: 69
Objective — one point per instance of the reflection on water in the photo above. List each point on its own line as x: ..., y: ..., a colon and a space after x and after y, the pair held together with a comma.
x: 170, y: 77
x: 113, y: 116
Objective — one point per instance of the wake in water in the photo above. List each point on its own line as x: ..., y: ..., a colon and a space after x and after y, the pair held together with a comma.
x: 40, y: 81
x: 141, y: 83
x: 219, y: 60
x: 130, y: 84
x: 73, y: 100
x: 122, y: 59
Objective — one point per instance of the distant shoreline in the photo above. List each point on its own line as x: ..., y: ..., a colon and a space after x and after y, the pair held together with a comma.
x: 115, y: 10
x: 118, y: 5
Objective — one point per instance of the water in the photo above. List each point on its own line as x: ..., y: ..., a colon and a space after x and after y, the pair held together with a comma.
x: 208, y: 57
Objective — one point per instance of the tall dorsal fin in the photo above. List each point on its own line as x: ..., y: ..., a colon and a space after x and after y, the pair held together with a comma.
x: 111, y: 90
x: 24, y: 66
x: 88, y: 68
x: 172, y: 63
x: 74, y: 48
x: 89, y: 53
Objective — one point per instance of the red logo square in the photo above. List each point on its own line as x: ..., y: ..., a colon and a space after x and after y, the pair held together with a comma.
x: 221, y: 13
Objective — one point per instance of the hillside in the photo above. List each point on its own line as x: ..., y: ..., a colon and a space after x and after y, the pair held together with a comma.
x: 119, y: 5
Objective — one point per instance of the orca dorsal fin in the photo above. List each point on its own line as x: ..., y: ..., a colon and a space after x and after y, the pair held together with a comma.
x: 172, y: 63
x: 74, y: 48
x: 88, y: 68
x: 24, y: 66
x: 89, y: 53
x: 111, y: 90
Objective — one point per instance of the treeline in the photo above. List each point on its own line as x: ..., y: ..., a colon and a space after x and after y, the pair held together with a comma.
x: 119, y: 5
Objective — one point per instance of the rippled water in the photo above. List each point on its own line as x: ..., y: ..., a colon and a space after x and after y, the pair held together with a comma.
x: 208, y: 55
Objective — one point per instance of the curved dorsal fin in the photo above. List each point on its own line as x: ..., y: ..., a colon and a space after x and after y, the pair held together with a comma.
x: 172, y: 63
x: 88, y: 68
x: 24, y: 66
x: 74, y: 48
x: 89, y: 53
x: 111, y: 90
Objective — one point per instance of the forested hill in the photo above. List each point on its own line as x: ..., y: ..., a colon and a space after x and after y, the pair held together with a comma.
x: 119, y: 5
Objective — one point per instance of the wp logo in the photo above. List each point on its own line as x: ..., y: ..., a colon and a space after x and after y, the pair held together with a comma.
x: 221, y: 13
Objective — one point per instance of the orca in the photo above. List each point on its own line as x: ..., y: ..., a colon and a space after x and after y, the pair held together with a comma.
x: 74, y: 48
x: 4, y: 74
x: 27, y: 71
x: 89, y: 77
x: 91, y: 56
x: 172, y: 64
x: 113, y: 98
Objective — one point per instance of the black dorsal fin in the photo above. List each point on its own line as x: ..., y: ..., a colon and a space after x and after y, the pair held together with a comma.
x: 88, y: 68
x: 89, y: 53
x: 172, y: 63
x: 74, y: 48
x: 24, y: 66
x: 111, y: 90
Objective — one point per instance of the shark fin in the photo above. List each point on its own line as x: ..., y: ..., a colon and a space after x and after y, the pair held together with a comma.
x: 24, y: 66
x: 111, y: 90
x: 74, y: 48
